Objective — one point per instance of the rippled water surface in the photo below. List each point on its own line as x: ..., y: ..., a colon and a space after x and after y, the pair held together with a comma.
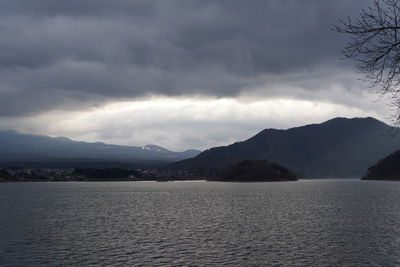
x: 321, y: 222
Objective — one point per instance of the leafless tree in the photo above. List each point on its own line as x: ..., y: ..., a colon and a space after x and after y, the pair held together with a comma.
x: 375, y: 45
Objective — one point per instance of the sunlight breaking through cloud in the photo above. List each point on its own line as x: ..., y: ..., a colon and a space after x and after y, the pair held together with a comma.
x: 182, y: 123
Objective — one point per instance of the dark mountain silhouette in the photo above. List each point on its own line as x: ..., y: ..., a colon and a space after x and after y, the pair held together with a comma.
x: 256, y: 171
x: 386, y: 169
x: 336, y: 148
x: 16, y: 148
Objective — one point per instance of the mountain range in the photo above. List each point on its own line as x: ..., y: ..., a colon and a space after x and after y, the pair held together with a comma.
x: 338, y: 148
x: 26, y: 149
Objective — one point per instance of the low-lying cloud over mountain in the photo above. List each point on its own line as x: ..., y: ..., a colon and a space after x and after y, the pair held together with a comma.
x: 75, y: 57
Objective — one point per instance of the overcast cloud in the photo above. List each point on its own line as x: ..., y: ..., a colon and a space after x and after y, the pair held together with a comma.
x: 62, y: 58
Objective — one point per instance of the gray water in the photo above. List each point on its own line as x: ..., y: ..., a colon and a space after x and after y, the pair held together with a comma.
x: 317, y: 223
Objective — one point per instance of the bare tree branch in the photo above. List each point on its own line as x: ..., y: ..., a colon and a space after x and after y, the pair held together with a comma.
x: 375, y: 46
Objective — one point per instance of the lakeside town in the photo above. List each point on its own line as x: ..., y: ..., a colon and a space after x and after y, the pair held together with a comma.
x: 89, y: 174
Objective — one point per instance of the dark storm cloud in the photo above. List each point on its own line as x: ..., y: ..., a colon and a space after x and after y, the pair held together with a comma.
x: 64, y: 54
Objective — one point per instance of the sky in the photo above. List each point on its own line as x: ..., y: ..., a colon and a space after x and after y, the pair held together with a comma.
x: 177, y: 73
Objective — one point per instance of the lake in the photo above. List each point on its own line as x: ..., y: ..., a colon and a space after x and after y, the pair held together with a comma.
x: 310, y: 222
